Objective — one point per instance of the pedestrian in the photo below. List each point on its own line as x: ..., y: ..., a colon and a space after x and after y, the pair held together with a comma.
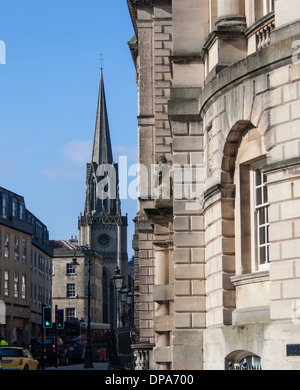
x: 3, y: 342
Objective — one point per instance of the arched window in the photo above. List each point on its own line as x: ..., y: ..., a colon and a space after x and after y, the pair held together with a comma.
x: 242, y: 360
x: 251, y: 205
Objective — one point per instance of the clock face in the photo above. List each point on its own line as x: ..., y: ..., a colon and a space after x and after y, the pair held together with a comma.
x: 104, y: 240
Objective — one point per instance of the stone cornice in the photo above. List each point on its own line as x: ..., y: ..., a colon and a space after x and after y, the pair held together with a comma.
x: 255, y: 277
x: 148, y: 3
x: 134, y: 4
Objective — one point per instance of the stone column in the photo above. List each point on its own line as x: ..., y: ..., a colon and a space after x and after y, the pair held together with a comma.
x: 231, y: 12
x: 161, y: 266
x: 229, y: 7
x: 161, y: 279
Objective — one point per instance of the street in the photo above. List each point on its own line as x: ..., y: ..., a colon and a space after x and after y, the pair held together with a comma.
x: 78, y: 366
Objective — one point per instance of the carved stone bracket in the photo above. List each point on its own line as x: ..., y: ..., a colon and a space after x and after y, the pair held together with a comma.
x: 163, y: 244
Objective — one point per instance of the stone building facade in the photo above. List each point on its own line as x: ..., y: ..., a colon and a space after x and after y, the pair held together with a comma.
x: 70, y: 283
x: 25, y: 270
x: 217, y: 269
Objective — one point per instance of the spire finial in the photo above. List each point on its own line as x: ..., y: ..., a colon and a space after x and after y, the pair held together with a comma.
x: 101, y: 61
x: 102, y: 152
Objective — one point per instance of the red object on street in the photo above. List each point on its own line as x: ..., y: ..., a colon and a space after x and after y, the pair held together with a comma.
x: 102, y: 354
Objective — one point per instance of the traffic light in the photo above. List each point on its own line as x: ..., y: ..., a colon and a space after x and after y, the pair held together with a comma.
x: 60, y: 318
x: 47, y: 317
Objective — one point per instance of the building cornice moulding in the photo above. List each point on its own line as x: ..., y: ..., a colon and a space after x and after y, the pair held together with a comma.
x: 134, y: 4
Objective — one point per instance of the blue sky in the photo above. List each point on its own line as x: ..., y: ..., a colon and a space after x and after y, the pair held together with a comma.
x: 48, y: 96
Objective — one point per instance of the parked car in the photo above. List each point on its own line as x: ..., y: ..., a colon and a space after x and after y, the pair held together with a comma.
x: 17, y: 358
x: 51, y: 350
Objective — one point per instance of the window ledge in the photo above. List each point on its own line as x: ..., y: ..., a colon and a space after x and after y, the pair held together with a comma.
x: 255, y: 277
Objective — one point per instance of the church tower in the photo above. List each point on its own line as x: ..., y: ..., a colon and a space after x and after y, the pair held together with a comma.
x: 102, y: 227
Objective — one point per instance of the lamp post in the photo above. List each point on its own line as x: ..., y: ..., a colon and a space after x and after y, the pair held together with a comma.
x: 114, y: 359
x: 88, y: 360
x: 125, y: 315
x: 130, y: 297
x: 118, y: 284
x: 130, y: 303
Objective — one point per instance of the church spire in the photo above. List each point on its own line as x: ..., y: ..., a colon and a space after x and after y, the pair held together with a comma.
x: 102, y: 151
